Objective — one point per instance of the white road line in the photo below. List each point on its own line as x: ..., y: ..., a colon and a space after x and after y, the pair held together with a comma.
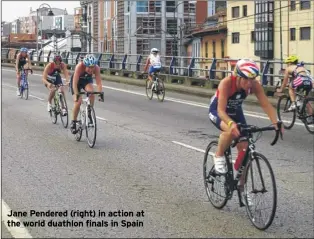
x: 36, y: 97
x: 103, y: 119
x: 16, y: 232
x: 188, y: 146
x: 247, y: 113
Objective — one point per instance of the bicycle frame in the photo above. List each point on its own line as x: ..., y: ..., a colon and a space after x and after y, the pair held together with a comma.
x: 24, y: 82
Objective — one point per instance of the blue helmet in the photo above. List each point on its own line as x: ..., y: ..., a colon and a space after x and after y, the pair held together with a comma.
x: 89, y: 60
x: 24, y: 49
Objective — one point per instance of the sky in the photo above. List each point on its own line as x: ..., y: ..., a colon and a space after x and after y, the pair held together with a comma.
x: 12, y: 10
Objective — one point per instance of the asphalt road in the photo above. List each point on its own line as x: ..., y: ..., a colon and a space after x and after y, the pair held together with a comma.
x: 137, y: 165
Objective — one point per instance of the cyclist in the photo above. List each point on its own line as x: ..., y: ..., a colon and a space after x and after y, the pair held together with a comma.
x: 301, y: 80
x: 51, y: 78
x: 154, y: 63
x: 83, y: 79
x: 21, y: 60
x: 225, y: 109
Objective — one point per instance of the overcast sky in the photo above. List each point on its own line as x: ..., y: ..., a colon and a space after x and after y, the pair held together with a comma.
x: 12, y: 10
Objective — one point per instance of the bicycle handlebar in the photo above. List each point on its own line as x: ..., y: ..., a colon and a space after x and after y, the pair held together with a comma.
x: 29, y: 70
x: 250, y: 129
x: 101, y: 94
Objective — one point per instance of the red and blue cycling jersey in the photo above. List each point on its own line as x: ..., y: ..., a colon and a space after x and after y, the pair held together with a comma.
x: 233, y: 108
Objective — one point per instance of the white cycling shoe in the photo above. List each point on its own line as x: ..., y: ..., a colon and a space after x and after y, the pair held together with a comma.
x: 220, y: 164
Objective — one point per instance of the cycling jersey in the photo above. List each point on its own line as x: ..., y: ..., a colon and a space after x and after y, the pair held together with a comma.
x: 233, y: 108
x: 22, y: 62
x: 155, y: 63
x: 84, y: 80
x: 54, y: 74
x: 301, y: 82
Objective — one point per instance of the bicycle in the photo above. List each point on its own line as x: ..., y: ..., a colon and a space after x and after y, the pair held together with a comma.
x: 300, y: 112
x: 158, y: 88
x: 57, y: 109
x: 82, y: 122
x: 24, y: 86
x: 229, y: 181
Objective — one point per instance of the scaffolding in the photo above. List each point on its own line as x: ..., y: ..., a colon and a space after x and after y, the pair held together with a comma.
x: 120, y: 26
x: 95, y: 26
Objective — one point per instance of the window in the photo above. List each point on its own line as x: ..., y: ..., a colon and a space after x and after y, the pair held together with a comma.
x: 214, y: 49
x: 236, y: 37
x: 292, y: 5
x: 244, y: 9
x: 158, y: 6
x: 172, y: 26
x: 252, y: 36
x: 206, y: 49
x: 222, y: 48
x: 142, y: 6
x: 89, y: 11
x: 305, y: 4
x: 170, y: 6
x: 292, y: 34
x: 305, y: 33
x: 235, y: 12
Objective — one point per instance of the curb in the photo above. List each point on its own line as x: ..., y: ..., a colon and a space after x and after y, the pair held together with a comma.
x: 204, y: 93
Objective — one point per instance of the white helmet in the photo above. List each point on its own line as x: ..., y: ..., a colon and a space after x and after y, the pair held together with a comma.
x: 154, y: 50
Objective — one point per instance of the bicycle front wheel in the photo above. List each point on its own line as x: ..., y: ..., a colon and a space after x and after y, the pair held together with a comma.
x: 25, y: 90
x: 149, y: 91
x: 91, y: 127
x: 287, y: 117
x: 54, y: 111
x: 262, y: 188
x: 161, y: 90
x: 64, y: 116
x: 214, y: 183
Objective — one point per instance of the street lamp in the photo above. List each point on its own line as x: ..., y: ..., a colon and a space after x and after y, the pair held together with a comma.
x: 50, y: 13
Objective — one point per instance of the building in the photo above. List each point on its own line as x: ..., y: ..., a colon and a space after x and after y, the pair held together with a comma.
x: 92, y: 25
x: 78, y: 18
x: 209, y: 41
x: 267, y: 30
x: 63, y: 22
x: 6, y: 28
x: 16, y: 26
x: 216, y: 6
x: 110, y: 26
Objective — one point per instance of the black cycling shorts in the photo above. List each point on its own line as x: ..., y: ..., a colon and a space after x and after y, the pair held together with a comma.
x: 82, y: 83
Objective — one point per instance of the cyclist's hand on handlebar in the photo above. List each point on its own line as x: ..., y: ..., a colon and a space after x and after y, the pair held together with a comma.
x: 234, y: 130
x: 101, y: 97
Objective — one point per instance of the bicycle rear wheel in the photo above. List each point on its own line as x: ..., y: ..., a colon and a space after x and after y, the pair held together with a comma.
x: 214, y: 183
x: 287, y: 117
x: 149, y: 91
x: 261, y: 184
x: 91, y: 124
x: 64, y: 118
x: 161, y: 90
x: 309, y: 117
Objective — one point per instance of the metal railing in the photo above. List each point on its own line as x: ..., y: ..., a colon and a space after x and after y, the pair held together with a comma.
x: 195, y: 67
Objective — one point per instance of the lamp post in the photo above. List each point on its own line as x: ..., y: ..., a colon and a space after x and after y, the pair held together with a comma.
x: 50, y: 13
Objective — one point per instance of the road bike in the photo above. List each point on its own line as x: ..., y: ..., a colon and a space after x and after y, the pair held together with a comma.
x: 87, y: 119
x: 59, y: 107
x: 220, y: 187
x: 24, y: 86
x: 157, y: 87
x: 301, y: 111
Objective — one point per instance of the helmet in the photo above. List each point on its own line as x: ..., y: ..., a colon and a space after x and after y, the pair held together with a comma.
x: 57, y: 58
x: 24, y: 49
x: 89, y: 60
x: 291, y: 59
x: 154, y: 50
x: 246, y: 68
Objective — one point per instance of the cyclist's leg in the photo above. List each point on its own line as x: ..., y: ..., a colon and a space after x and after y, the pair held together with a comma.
x: 50, y: 95
x: 151, y: 70
x: 76, y: 107
x: 292, y: 88
x: 18, y: 81
x: 88, y: 87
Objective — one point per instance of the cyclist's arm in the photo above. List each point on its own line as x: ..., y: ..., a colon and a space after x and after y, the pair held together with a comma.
x: 147, y: 64
x: 264, y: 102
x: 224, y: 88
x: 98, y: 79
x: 45, y: 74
x: 76, y: 77
x: 29, y: 62
x: 17, y: 62
x: 65, y: 72
x: 285, y: 78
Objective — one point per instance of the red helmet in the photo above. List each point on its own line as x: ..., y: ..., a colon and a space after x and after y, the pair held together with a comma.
x: 57, y: 58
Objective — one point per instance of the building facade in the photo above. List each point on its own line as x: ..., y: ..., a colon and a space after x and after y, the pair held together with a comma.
x: 271, y: 30
x: 16, y: 26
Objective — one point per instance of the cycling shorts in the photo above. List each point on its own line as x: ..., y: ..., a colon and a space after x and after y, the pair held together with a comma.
x: 153, y: 69
x: 55, y: 80
x: 302, y: 83
x: 237, y: 117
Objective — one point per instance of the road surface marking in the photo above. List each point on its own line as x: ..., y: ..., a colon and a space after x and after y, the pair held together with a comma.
x: 188, y: 146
